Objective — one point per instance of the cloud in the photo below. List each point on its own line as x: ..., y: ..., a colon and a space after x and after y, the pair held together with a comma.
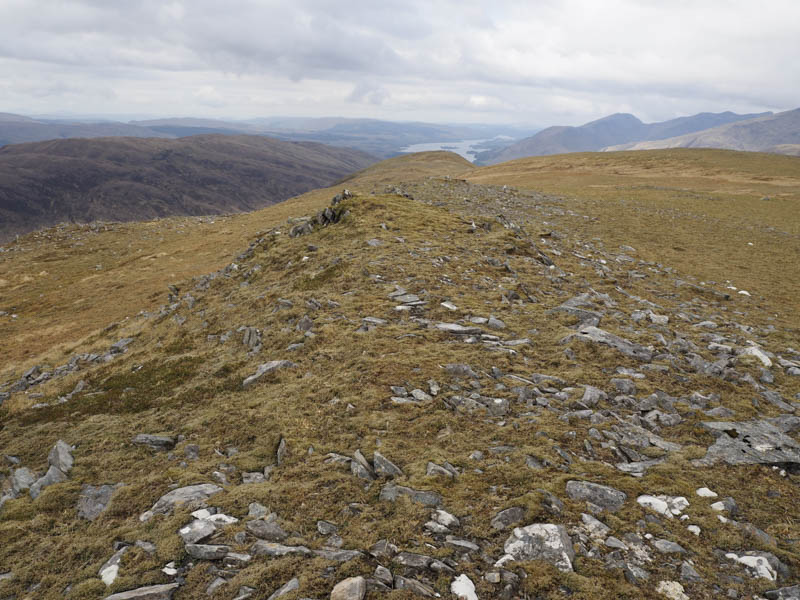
x: 537, y: 62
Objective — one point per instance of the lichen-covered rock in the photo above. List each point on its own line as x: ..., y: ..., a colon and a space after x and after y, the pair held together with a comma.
x: 539, y: 541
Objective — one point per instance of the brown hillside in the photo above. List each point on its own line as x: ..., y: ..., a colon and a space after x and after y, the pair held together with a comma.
x: 134, y: 179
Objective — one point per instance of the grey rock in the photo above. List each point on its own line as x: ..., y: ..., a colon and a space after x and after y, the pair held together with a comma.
x: 305, y: 323
x: 155, y: 442
x: 593, y: 395
x: 615, y: 543
x: 207, y: 551
x: 352, y: 588
x: 460, y: 370
x: 22, y: 479
x: 280, y: 453
x: 326, y: 527
x: 415, y: 587
x: 634, y: 574
x: 52, y: 476
x: 390, y: 492
x: 148, y: 547
x: 434, y: 470
x: 383, y: 575
x: 383, y: 549
x: 600, y: 336
x: 747, y: 443
x: 60, y: 457
x: 257, y: 510
x: 494, y: 323
x: 270, y: 531
x: 785, y: 593
x: 93, y: 500
x: 337, y: 555
x: 184, y: 495
x: 253, y: 477
x: 624, y: 386
x: 540, y: 541
x: 245, y: 592
x: 462, y: 545
x: 110, y: 569
x: 265, y: 369
x: 508, y: 517
x: 551, y: 502
x: 596, y: 528
x: 197, y: 531
x: 150, y: 592
x: 292, y: 585
x: 236, y: 560
x: 668, y: 547
x: 264, y: 548
x: 217, y: 583
x: 384, y: 467
x: 457, y: 329
x: 601, y: 495
x: 689, y: 573
x: 413, y: 560
x: 778, y: 567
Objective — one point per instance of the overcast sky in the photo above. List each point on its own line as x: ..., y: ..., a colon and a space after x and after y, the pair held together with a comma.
x: 539, y: 62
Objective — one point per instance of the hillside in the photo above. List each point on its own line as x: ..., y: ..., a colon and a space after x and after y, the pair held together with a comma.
x: 762, y: 134
x: 608, y: 131
x: 130, y: 179
x: 506, y: 382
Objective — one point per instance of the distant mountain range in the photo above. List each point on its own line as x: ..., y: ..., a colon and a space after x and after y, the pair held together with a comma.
x: 778, y: 133
x: 615, y: 129
x: 16, y: 129
x: 133, y: 179
x: 382, y: 139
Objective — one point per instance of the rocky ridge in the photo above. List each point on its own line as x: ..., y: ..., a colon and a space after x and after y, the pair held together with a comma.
x: 540, y: 411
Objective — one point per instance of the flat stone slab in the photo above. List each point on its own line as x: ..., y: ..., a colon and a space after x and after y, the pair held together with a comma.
x: 601, y: 336
x: 150, y: 592
x: 266, y: 369
x: 749, y: 443
x: 180, y: 496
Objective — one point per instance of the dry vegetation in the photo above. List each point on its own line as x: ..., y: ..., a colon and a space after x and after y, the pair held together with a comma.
x: 694, y: 211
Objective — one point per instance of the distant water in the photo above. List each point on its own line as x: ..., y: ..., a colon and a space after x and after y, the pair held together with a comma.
x: 465, y: 148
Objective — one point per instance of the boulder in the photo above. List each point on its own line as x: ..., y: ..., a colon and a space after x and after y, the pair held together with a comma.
x: 384, y: 467
x: 181, y: 496
x: 540, y: 541
x: 60, y: 457
x: 602, y: 495
x: 352, y: 588
x: 52, y: 476
x: 270, y: 531
x: 207, y: 551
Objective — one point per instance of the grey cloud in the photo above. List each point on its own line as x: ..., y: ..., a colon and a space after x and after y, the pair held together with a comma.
x: 506, y: 60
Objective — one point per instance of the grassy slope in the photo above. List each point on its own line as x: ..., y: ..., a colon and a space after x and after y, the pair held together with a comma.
x: 697, y: 210
x: 51, y: 281
x: 189, y: 387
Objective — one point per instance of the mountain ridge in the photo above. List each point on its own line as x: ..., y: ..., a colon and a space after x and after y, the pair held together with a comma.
x: 595, y: 135
x: 753, y: 135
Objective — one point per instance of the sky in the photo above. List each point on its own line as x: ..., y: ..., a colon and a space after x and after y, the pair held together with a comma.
x: 535, y: 62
